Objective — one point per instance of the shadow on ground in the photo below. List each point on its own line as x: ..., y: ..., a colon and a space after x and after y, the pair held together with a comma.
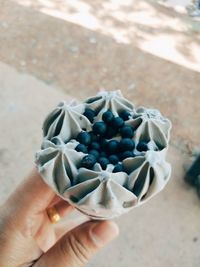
x: 128, y: 22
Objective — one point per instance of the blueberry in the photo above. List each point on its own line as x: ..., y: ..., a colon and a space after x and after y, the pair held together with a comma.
x: 94, y: 152
x: 99, y: 128
x: 94, y: 137
x: 125, y: 115
x: 103, y: 161
x: 95, y: 145
x: 112, y: 146
x: 126, y: 144
x: 113, y: 159
x: 90, y: 114
x: 127, y: 154
x: 88, y: 161
x: 127, y: 131
x: 110, y: 132
x: 84, y: 138
x: 81, y: 148
x: 103, y: 154
x: 103, y: 143
x: 142, y: 146
x: 117, y: 122
x: 118, y: 168
x: 107, y: 116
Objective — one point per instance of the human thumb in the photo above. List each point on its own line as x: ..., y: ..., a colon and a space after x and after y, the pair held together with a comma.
x: 78, y: 246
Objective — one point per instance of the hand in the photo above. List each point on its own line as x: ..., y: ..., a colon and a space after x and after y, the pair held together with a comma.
x: 28, y: 238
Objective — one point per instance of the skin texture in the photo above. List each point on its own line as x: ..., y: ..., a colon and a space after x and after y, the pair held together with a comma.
x: 28, y: 238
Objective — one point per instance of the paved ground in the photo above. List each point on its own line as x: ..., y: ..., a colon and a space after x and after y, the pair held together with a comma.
x: 75, y: 61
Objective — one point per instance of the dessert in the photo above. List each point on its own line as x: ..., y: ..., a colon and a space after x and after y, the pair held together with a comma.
x: 104, y: 156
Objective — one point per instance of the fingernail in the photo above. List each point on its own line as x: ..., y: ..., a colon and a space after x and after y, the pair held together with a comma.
x: 104, y: 232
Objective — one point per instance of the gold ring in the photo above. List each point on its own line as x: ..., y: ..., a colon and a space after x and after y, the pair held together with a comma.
x: 53, y: 215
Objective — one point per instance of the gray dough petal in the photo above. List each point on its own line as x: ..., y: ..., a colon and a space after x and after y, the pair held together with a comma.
x: 65, y: 121
x: 148, y: 174
x: 150, y: 125
x: 101, y: 194
x: 58, y: 163
x: 109, y: 100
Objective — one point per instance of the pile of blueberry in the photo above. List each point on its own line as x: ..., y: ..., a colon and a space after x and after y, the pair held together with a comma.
x: 99, y: 145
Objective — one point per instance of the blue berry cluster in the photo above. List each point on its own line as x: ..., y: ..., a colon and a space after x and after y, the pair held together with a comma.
x: 99, y: 145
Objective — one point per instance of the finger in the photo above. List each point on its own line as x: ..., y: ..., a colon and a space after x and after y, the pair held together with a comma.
x: 63, y: 208
x: 74, y: 220
x: 25, y: 208
x: 33, y: 194
x: 55, y: 200
x: 78, y: 246
x: 47, y: 234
